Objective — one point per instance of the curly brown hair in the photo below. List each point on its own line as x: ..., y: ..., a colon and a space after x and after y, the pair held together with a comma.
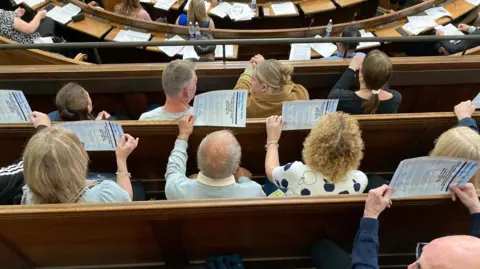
x: 334, y: 146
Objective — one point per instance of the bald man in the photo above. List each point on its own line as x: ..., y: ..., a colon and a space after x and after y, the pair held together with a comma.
x: 451, y: 252
x: 218, y: 159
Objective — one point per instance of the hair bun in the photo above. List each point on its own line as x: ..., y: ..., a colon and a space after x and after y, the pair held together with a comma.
x: 286, y: 71
x: 66, y: 114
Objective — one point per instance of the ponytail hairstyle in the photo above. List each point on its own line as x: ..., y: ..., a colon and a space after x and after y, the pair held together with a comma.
x: 376, y: 71
x: 197, y: 13
x: 274, y: 74
x: 73, y: 103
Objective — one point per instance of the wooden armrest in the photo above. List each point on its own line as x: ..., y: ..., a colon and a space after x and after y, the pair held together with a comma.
x: 81, y: 57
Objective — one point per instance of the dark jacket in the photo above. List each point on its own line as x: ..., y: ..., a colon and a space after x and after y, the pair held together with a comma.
x: 453, y: 48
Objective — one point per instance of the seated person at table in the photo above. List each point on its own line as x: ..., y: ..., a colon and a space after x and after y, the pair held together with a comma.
x: 462, y: 141
x: 347, y: 50
x: 73, y: 104
x: 331, y: 153
x: 16, y: 29
x: 205, y: 52
x: 55, y: 168
x: 375, y: 71
x: 447, y: 47
x: 196, y: 13
x: 132, y: 8
x: 218, y: 159
x: 179, y: 83
x: 269, y: 85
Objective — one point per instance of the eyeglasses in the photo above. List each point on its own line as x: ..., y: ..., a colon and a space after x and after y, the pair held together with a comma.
x: 418, y: 253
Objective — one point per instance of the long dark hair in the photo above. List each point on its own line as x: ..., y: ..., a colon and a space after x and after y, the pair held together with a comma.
x: 376, y: 70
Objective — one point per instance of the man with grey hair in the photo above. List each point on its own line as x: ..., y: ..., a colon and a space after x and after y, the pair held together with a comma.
x: 218, y: 159
x: 179, y: 83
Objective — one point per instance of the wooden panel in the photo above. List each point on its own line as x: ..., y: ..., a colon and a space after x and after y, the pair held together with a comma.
x: 316, y: 6
x: 346, y: 3
x: 182, y: 231
x: 91, y: 27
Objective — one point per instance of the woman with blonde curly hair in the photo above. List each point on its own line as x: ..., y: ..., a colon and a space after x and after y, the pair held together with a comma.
x: 331, y: 153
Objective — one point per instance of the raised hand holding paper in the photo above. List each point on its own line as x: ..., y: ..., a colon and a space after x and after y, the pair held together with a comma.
x: 302, y: 115
x: 221, y: 108
x: 14, y: 107
x: 431, y: 175
x: 96, y: 135
x: 476, y: 101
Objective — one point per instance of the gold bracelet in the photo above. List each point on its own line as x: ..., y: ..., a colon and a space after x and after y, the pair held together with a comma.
x: 273, y: 142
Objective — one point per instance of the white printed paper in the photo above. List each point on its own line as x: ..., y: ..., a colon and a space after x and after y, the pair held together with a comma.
x: 64, y: 14
x: 172, y: 50
x: 476, y: 101
x: 14, y: 107
x: 284, y: 8
x: 226, y: 108
x: 228, y: 51
x: 324, y: 49
x: 207, y: 5
x: 221, y: 10
x: 474, y: 2
x: 240, y: 12
x: 431, y: 175
x: 300, y: 52
x: 363, y: 45
x: 437, y: 13
x: 412, y: 29
x: 449, y: 29
x: 189, y: 53
x: 43, y: 40
x: 304, y: 114
x: 31, y: 3
x: 96, y: 135
x: 131, y: 36
x: 421, y: 21
x: 164, y: 4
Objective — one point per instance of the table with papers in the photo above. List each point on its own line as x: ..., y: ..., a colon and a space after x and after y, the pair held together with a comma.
x: 323, y: 49
x: 284, y: 9
x: 367, y: 45
x: 64, y: 14
x: 131, y: 36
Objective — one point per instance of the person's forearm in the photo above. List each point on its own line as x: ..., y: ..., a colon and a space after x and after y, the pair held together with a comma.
x: 365, y: 246
x: 271, y: 160
x: 123, y: 177
x: 177, y: 161
x: 345, y: 80
x: 35, y: 23
x: 245, y: 80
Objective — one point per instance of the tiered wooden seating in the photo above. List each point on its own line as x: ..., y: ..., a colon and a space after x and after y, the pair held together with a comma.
x: 389, y: 139
x: 267, y: 233
x: 443, y: 81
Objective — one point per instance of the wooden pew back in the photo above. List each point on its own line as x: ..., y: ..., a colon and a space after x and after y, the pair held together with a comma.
x: 175, y: 233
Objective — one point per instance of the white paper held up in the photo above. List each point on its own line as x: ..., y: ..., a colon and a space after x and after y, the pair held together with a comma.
x: 304, y: 114
x: 476, y: 101
x: 226, y: 108
x: 14, y: 107
x: 96, y: 135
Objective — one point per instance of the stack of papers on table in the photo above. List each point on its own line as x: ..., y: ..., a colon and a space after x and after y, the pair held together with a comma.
x: 449, y: 29
x: 300, y: 52
x: 190, y: 53
x: 474, y: 2
x: 64, y: 14
x: 228, y: 51
x: 221, y: 10
x: 164, y: 4
x: 286, y: 8
x: 207, y: 5
x: 363, y: 45
x: 131, y: 36
x: 43, y: 40
x: 240, y: 12
x: 324, y: 49
x: 437, y: 12
x: 416, y: 24
x: 172, y: 50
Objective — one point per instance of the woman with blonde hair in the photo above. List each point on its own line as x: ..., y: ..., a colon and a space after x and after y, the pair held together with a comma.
x: 462, y: 141
x: 331, y: 153
x: 74, y: 104
x: 55, y: 167
x: 375, y: 70
x: 197, y: 13
x: 269, y: 85
x: 132, y: 8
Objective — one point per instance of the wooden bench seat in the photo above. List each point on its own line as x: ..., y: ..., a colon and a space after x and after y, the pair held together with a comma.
x: 389, y: 139
x: 166, y: 234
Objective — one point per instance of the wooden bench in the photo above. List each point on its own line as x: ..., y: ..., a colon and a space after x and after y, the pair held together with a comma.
x: 267, y: 233
x: 388, y: 139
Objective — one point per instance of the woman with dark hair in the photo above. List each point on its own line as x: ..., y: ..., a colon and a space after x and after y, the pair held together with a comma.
x: 74, y: 103
x: 375, y: 70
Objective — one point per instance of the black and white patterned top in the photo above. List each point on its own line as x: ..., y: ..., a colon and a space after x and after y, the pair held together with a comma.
x: 7, y: 30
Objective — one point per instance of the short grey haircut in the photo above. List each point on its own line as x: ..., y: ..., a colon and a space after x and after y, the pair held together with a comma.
x: 176, y: 75
x: 219, y: 154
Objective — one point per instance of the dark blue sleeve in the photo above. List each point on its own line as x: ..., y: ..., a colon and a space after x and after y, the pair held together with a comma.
x: 468, y: 122
x: 475, y: 225
x: 365, y: 246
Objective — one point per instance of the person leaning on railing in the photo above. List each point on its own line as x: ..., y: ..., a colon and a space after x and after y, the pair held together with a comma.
x: 452, y: 46
x: 269, y: 85
x: 374, y: 72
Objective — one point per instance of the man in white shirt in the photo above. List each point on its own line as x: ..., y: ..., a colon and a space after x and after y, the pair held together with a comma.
x: 179, y: 83
x: 218, y: 158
